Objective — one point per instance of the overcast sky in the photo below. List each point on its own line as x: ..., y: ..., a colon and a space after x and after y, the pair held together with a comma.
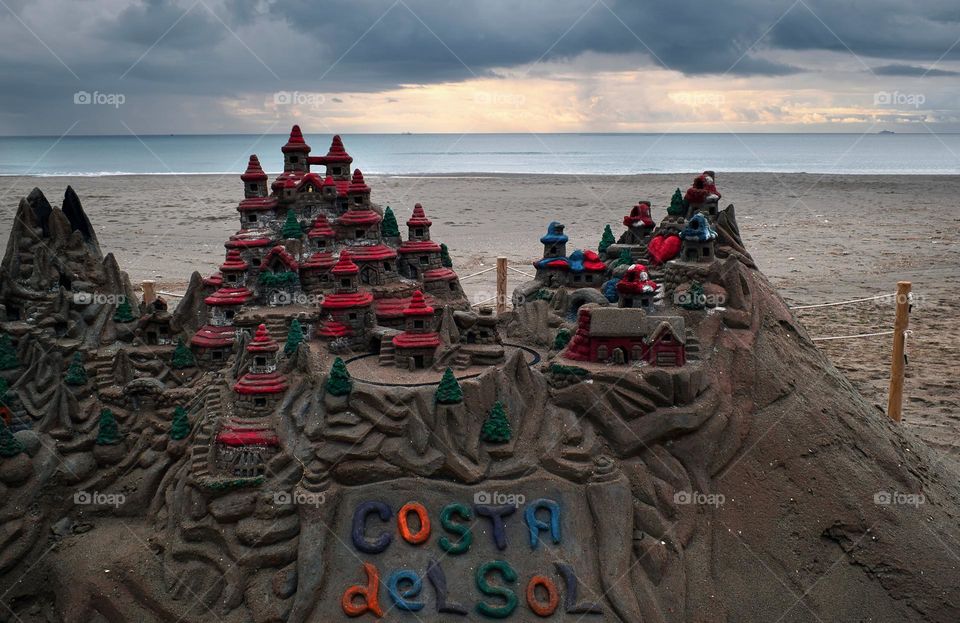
x: 212, y: 66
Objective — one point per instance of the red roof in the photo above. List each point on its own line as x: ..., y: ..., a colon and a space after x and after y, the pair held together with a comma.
x: 245, y: 240
x: 229, y: 296
x: 329, y: 181
x: 287, y: 179
x: 592, y: 262
x: 321, y: 228
x: 416, y: 340
x: 319, y: 260
x: 639, y: 215
x: 269, y: 383
x: 419, y: 246
x: 636, y: 281
x: 254, y: 172
x: 210, y: 336
x: 296, y: 142
x: 361, y: 216
x: 387, y: 308
x: 345, y: 265
x: 439, y: 274
x: 372, y: 253
x: 257, y: 204
x: 215, y: 280
x: 419, y: 218
x: 248, y: 438
x: 336, y: 154
x: 347, y: 300
x: 279, y: 251
x: 417, y: 306
x: 234, y: 262
x: 357, y: 185
x: 262, y: 342
x: 310, y: 178
x: 333, y: 328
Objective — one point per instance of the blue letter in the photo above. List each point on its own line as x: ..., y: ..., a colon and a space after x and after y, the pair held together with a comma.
x: 398, y: 596
x: 536, y: 525
x: 359, y: 522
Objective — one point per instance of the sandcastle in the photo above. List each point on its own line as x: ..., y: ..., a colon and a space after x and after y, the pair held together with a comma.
x: 326, y: 430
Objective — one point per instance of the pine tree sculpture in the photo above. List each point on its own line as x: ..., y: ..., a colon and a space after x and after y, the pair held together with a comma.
x: 388, y: 226
x: 339, y: 382
x: 291, y: 227
x: 496, y: 428
x: 561, y: 340
x: 182, y: 356
x: 606, y: 240
x: 448, y: 391
x: 8, y: 354
x: 625, y: 259
x: 445, y: 256
x: 124, y: 312
x: 695, y: 298
x: 180, y: 426
x: 10, y: 446
x: 108, y: 433
x: 676, y: 204
x: 76, y: 373
x: 294, y: 338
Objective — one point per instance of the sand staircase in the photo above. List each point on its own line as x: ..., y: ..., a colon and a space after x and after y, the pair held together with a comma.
x: 461, y: 361
x: 278, y: 328
x: 205, y: 409
x: 388, y: 353
x: 102, y: 367
x: 692, y: 346
x: 316, y: 477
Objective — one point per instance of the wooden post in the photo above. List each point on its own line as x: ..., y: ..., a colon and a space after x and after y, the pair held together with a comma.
x: 895, y: 399
x: 501, y: 285
x: 149, y: 291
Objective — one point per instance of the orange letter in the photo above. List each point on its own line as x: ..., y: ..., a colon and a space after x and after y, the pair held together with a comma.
x: 553, y: 597
x: 369, y: 595
x: 423, y: 533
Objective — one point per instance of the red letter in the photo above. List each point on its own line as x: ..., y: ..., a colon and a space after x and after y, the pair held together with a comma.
x: 369, y: 594
x: 553, y: 597
x: 423, y: 533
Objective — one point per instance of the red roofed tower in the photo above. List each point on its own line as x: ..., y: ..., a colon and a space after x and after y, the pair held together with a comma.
x: 635, y: 288
x: 256, y: 206
x: 348, y: 311
x: 337, y: 161
x: 415, y: 347
x: 420, y: 257
x: 360, y: 224
x: 296, y: 152
x: 234, y: 269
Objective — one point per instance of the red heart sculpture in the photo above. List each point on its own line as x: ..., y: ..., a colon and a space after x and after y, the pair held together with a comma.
x: 663, y: 248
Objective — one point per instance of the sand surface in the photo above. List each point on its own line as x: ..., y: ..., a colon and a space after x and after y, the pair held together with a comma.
x: 818, y: 239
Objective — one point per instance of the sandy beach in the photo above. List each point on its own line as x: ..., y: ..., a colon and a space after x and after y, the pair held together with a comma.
x: 817, y: 238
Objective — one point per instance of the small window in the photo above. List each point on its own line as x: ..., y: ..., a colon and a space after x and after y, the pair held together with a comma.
x: 424, y: 259
x: 345, y: 282
x: 309, y: 188
x: 260, y: 361
x: 387, y: 266
x: 321, y: 244
x: 251, y: 218
x: 352, y: 316
x: 358, y: 200
x: 217, y: 355
x: 335, y: 170
x: 294, y: 159
x: 229, y: 314
x: 453, y: 286
x: 577, y: 278
x: 418, y: 231
x: 628, y: 302
x: 417, y: 324
x: 361, y: 233
x: 260, y: 402
x: 253, y: 187
x: 232, y: 278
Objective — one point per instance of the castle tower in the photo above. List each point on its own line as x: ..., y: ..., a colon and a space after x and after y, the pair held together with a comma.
x: 418, y: 225
x: 254, y: 179
x: 256, y: 208
x: 234, y: 269
x: 360, y: 224
x: 296, y: 152
x: 636, y: 289
x: 358, y: 192
x: 337, y: 161
x: 416, y: 346
x: 554, y: 241
x: 348, y: 310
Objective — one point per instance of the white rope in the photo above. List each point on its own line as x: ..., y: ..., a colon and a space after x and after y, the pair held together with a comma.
x: 486, y: 270
x: 179, y: 296
x: 492, y: 298
x: 869, y: 298
x: 517, y: 270
x: 845, y: 337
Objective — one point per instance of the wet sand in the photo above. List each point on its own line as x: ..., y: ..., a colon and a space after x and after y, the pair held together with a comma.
x: 817, y: 238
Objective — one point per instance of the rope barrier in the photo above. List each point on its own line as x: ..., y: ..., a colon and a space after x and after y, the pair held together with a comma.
x: 869, y: 298
x: 492, y: 298
x: 845, y: 337
x: 517, y: 270
x: 486, y: 270
x: 174, y: 294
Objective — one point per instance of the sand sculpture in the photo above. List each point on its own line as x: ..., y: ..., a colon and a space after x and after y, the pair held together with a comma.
x: 325, y: 430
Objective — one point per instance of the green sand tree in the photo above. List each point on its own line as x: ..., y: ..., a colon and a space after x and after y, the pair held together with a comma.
x: 10, y: 446
x: 294, y: 338
x: 76, y: 373
x: 606, y: 240
x: 561, y: 340
x: 182, y: 356
x: 180, y: 425
x: 445, y: 256
x: 449, y: 391
x: 676, y: 204
x: 124, y: 311
x: 339, y: 382
x: 625, y: 258
x: 695, y: 297
x: 496, y: 428
x: 108, y: 433
x: 8, y: 354
x: 291, y: 227
x: 388, y: 226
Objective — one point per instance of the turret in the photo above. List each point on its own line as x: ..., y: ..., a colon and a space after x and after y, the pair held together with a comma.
x: 337, y: 161
x: 358, y: 192
x: 296, y: 152
x: 345, y: 274
x: 554, y: 241
x: 254, y: 179
x: 418, y: 225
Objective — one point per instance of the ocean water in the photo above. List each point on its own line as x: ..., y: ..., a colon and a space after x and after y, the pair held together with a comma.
x: 571, y: 154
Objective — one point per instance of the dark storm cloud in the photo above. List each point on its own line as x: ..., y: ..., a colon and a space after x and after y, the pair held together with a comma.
x: 912, y: 70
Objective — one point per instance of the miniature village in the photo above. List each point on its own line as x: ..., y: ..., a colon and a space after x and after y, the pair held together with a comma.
x: 327, y: 429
